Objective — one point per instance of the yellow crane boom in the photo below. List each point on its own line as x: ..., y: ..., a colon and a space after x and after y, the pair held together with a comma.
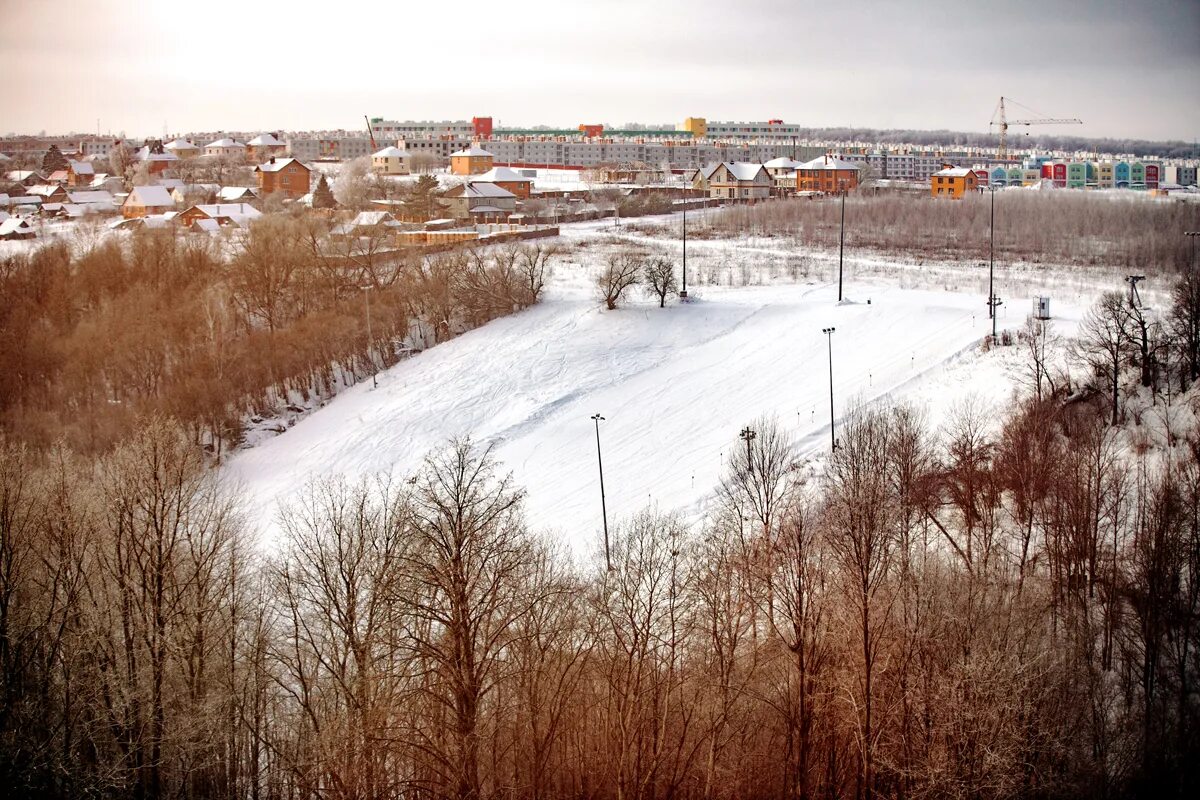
x: 1000, y: 119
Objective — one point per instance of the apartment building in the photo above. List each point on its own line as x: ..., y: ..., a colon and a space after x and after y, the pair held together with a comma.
x: 331, y: 147
x: 386, y: 129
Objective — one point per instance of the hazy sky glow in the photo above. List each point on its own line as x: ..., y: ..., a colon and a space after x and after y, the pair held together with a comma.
x: 1126, y: 68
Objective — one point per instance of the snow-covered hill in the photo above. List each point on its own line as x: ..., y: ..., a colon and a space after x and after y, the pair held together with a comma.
x: 675, y: 386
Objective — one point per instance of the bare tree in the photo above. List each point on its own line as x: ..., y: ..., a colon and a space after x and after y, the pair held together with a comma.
x: 1104, y: 345
x: 621, y: 271
x: 658, y: 275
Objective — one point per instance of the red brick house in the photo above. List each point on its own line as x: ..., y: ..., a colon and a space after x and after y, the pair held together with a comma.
x: 285, y: 175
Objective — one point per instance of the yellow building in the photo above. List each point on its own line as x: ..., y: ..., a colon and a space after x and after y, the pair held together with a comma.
x: 472, y: 161
x: 697, y: 126
x: 953, y: 182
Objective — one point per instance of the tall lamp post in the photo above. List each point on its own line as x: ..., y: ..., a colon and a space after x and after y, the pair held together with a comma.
x: 993, y: 301
x: 1192, y: 235
x: 603, y: 508
x: 829, y: 337
x: 683, y: 292
x: 841, y: 238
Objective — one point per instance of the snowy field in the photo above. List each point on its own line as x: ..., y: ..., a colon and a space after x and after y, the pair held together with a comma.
x: 675, y: 385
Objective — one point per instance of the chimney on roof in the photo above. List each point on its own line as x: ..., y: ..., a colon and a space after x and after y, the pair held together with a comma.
x: 272, y: 159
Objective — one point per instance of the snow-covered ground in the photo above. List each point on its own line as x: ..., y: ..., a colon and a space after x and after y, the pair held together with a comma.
x: 675, y: 385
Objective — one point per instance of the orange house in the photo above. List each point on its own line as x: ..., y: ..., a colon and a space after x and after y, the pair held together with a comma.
x: 953, y: 182
x: 827, y: 174
x: 286, y: 175
x: 472, y: 161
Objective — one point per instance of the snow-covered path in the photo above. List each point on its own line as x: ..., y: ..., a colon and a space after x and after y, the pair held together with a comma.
x: 675, y: 386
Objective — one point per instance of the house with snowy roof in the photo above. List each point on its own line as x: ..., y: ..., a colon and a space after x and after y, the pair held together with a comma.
x: 481, y: 202
x: 144, y: 201
x: 235, y: 194
x: 16, y: 228
x: 508, y: 179
x: 390, y: 161
x: 473, y: 160
x: 953, y: 182
x: 182, y: 148
x: 827, y: 174
x: 288, y: 176
x: 223, y: 214
x: 225, y: 147
x: 80, y: 173
x: 264, y: 146
x: 737, y: 180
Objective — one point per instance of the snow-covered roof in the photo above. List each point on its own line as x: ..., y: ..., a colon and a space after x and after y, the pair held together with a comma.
x: 486, y: 190
x: 44, y: 189
x: 214, y: 210
x: 14, y: 225
x: 180, y: 144
x: 206, y: 225
x: 235, y: 193
x: 743, y: 170
x: 783, y: 162
x: 953, y: 172
x: 93, y: 196
x: 82, y: 167
x: 487, y: 210
x: 828, y: 162
x: 367, y: 219
x: 390, y: 152
x: 150, y: 196
x: 500, y: 175
x: 22, y: 174
x: 276, y: 164
x: 265, y: 140
x: 226, y: 142
x: 473, y: 150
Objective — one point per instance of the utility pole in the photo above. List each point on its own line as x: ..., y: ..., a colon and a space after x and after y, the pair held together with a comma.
x: 374, y: 374
x: 747, y: 435
x: 993, y: 301
x: 829, y: 337
x: 683, y: 293
x: 1192, y: 235
x: 603, y: 508
x: 841, y: 241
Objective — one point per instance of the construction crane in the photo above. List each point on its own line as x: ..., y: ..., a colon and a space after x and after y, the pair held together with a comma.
x: 371, y: 133
x: 1000, y: 118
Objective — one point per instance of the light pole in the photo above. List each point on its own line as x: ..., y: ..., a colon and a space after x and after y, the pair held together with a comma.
x: 374, y: 377
x: 993, y: 301
x: 747, y: 435
x: 829, y: 337
x: 683, y: 292
x: 603, y: 508
x: 841, y: 239
x: 1192, y: 235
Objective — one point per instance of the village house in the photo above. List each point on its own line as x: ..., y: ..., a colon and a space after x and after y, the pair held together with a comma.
x: 93, y: 200
x: 481, y: 202
x: 238, y: 214
x: 474, y: 160
x: 80, y: 173
x: 734, y: 180
x: 158, y: 162
x: 225, y: 148
x: 783, y: 175
x: 182, y: 148
x: 828, y: 175
x: 284, y: 175
x: 48, y: 192
x: 235, y: 194
x: 390, y: 161
x: 508, y: 179
x: 146, y: 200
x: 16, y: 228
x: 264, y: 146
x: 953, y: 182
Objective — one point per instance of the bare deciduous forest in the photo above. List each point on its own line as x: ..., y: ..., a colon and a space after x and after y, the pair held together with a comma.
x: 978, y: 608
x: 91, y: 341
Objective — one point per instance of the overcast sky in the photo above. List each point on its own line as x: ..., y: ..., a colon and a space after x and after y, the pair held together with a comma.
x: 1127, y: 68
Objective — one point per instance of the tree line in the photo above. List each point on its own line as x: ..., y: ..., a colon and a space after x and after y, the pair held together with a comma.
x: 213, y: 331
x: 1057, y: 227
x: 1001, y: 606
